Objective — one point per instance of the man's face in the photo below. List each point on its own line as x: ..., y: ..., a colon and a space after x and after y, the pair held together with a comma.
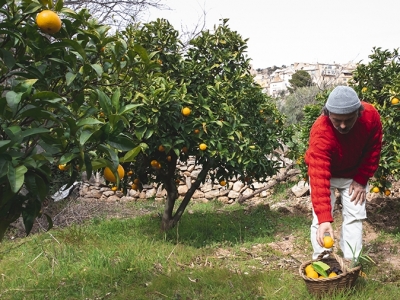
x: 343, y: 123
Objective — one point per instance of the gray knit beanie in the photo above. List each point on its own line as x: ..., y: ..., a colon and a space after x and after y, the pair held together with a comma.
x: 343, y: 100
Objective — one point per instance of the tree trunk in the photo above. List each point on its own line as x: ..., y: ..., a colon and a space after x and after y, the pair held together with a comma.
x: 168, y: 220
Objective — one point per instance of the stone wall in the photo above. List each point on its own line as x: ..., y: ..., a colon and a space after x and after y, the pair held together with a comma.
x: 96, y: 188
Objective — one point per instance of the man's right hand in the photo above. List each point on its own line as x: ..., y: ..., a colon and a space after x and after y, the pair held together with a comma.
x: 323, y: 228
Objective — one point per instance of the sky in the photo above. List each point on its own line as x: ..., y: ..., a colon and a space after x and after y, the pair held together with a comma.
x: 282, y: 32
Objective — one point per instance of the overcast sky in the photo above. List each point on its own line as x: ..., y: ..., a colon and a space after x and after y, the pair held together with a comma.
x: 282, y: 32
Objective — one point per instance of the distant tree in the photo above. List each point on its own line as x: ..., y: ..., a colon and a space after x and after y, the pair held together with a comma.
x: 292, y: 106
x: 115, y: 12
x: 300, y: 79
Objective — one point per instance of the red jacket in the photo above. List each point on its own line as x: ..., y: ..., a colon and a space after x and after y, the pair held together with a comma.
x: 334, y: 155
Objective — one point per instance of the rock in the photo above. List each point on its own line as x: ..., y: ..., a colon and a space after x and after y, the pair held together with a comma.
x: 108, y: 193
x: 237, y: 186
x: 188, y: 182
x: 182, y: 189
x: 233, y: 194
x: 195, y: 173
x: 113, y: 198
x: 224, y: 200
x: 150, y: 193
x: 211, y: 194
x: 300, y: 189
x: 206, y: 187
x: 198, y: 194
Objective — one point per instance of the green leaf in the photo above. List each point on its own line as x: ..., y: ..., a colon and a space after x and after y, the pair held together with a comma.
x: 13, y: 99
x: 85, y: 136
x: 59, y: 5
x: 32, y: 8
x: 130, y: 155
x: 105, y: 102
x: 49, y: 220
x: 128, y: 108
x: 319, y: 269
x: 16, y: 177
x: 4, y: 143
x: 115, y: 99
x: 65, y: 43
x: 121, y: 143
x: 112, y: 154
x: 67, y: 157
x: 98, y: 68
x: 323, y: 265
x: 13, y: 33
x: 88, y: 121
x: 142, y: 53
x: 8, y: 58
x: 70, y: 77
x: 139, y: 132
x: 30, y: 213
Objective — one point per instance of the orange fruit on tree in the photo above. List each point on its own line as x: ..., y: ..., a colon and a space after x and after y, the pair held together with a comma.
x: 186, y: 111
x: 161, y: 148
x: 109, y: 175
x: 222, y: 182
x: 184, y: 149
x: 169, y: 158
x: 130, y: 172
x: 154, y: 163
x: 395, y: 101
x: 387, y: 192
x: 48, y: 21
x: 136, y: 181
x: 134, y: 186
x: 202, y: 147
x: 364, y: 89
x: 375, y: 189
x: 63, y: 167
x: 196, y: 131
x: 114, y: 188
x: 328, y: 241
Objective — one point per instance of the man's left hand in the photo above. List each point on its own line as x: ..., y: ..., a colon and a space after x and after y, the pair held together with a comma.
x: 358, y: 193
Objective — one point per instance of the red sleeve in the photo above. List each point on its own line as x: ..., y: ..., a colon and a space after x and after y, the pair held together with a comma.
x: 318, y: 160
x: 370, y: 161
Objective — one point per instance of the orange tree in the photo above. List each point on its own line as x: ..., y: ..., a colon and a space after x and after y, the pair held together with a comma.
x: 60, y: 103
x: 207, y: 106
x: 378, y: 82
x: 85, y: 99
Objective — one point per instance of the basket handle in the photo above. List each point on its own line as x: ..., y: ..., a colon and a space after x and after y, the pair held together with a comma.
x: 325, y: 252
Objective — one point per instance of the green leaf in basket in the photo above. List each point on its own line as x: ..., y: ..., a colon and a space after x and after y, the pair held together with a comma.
x: 319, y: 267
x: 322, y: 265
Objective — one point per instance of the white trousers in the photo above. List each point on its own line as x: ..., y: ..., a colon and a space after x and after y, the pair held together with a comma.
x: 352, y: 227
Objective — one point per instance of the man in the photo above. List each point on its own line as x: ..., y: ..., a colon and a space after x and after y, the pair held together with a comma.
x: 344, y: 150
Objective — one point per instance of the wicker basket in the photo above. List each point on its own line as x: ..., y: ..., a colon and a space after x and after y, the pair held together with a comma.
x: 323, y: 286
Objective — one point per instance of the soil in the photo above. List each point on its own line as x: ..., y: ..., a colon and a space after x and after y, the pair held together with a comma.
x: 383, y: 217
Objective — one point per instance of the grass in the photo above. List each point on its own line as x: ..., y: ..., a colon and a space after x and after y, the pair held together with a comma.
x: 216, y: 252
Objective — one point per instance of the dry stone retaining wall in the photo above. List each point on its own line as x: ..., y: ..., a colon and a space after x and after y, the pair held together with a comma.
x: 95, y: 188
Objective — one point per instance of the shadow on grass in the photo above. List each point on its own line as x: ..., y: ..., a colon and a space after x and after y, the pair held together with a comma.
x: 227, y: 227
